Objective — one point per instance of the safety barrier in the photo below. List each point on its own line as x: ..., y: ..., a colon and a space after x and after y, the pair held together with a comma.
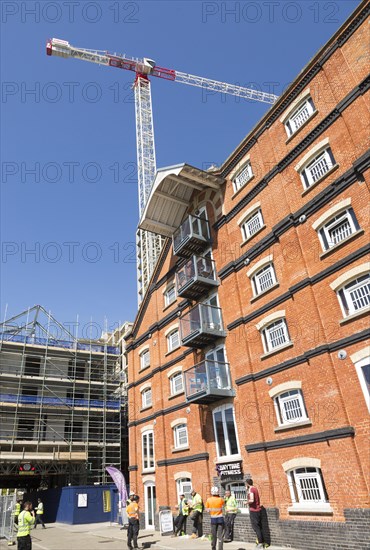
x: 33, y: 400
x: 7, y: 505
x: 112, y: 350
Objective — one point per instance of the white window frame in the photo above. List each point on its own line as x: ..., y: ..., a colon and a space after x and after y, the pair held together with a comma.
x: 246, y: 234
x: 177, y: 435
x: 145, y: 359
x: 344, y: 296
x: 168, y: 297
x: 324, y: 230
x: 243, y: 176
x: 256, y: 284
x: 306, y: 173
x: 297, y: 478
x: 266, y: 336
x: 184, y: 486
x: 308, y: 105
x: 146, y: 398
x: 287, y: 395
x: 359, y: 365
x: 222, y: 409
x: 171, y: 346
x: 179, y: 376
x: 145, y: 441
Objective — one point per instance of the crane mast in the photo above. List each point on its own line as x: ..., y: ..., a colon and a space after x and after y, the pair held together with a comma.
x: 149, y: 245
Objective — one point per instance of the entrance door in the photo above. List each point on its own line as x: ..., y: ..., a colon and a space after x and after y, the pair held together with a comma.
x: 150, y: 504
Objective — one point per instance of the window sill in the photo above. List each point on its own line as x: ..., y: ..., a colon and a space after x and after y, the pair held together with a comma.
x: 275, y: 285
x: 148, y: 471
x: 313, y: 114
x: 315, y: 510
x: 169, y: 305
x: 172, y: 351
x: 146, y: 408
x: 277, y: 350
x: 241, y: 188
x: 342, y: 243
x: 230, y: 458
x: 332, y: 169
x: 292, y: 426
x: 144, y: 368
x: 179, y: 449
x: 252, y: 236
x: 175, y: 395
x: 356, y: 315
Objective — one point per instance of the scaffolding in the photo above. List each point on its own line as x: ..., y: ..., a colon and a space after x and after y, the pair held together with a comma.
x: 60, y: 399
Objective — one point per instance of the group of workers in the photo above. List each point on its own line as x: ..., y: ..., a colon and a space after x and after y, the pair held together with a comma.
x: 223, y: 511
x: 25, y: 519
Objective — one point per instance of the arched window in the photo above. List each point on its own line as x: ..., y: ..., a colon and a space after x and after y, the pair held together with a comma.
x: 177, y: 383
x: 146, y: 398
x: 180, y: 435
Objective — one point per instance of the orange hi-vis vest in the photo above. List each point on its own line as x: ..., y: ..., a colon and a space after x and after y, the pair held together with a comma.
x: 215, y: 505
x: 133, y: 510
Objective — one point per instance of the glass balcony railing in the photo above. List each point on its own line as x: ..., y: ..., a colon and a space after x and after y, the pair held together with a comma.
x: 208, y: 381
x: 195, y: 277
x: 201, y: 325
x: 191, y: 237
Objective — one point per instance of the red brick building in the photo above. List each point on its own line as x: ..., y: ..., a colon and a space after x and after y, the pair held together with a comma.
x: 250, y: 353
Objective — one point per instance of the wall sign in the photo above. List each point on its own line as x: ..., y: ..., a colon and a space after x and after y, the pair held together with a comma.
x: 165, y: 521
x: 82, y: 500
x: 230, y: 470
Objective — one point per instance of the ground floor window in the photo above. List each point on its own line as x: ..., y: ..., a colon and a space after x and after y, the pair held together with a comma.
x: 239, y: 491
x: 184, y: 487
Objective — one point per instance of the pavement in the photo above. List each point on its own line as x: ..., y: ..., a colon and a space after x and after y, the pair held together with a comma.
x: 107, y: 536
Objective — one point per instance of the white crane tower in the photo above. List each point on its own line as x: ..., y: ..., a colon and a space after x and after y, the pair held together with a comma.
x: 149, y: 245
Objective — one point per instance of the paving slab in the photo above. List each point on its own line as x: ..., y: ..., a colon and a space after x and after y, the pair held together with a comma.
x: 107, y: 536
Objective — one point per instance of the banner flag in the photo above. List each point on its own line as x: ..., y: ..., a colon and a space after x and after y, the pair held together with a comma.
x: 120, y: 482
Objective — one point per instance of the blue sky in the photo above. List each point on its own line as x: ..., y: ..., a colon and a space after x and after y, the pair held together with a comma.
x: 69, y: 205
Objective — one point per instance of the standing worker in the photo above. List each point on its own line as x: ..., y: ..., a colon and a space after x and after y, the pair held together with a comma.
x: 17, y: 511
x: 214, y: 506
x: 40, y: 513
x: 231, y: 509
x: 196, y: 517
x: 255, y: 513
x: 25, y: 521
x: 183, y: 512
x: 133, y: 511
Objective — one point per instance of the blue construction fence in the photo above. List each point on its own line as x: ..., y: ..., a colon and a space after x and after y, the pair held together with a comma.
x: 79, y: 504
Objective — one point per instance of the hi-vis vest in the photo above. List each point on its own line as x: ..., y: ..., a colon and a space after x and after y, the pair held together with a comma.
x: 215, y: 505
x: 183, y: 507
x: 17, y: 509
x: 132, y: 510
x: 231, y: 506
x: 197, y: 503
x: 25, y: 521
x: 40, y: 508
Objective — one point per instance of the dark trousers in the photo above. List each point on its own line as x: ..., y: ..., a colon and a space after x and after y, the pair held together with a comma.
x: 39, y: 520
x: 217, y: 531
x: 180, y: 523
x: 229, y: 526
x: 24, y: 543
x: 197, y: 519
x: 256, y: 524
x: 132, y: 532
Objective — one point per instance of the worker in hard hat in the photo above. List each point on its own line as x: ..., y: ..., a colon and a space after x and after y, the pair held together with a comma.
x: 196, y: 516
x: 133, y: 514
x: 130, y: 497
x: 214, y: 505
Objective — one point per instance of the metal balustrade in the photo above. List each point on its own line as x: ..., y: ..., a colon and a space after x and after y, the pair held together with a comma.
x: 207, y: 382
x: 59, y: 402
x: 192, y: 237
x: 195, y: 277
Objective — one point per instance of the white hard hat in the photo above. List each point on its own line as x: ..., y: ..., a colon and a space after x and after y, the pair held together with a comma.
x: 131, y: 493
x: 214, y: 491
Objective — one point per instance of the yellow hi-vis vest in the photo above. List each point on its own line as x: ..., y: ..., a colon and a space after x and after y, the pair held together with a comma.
x: 231, y: 506
x: 184, y: 507
x: 17, y: 509
x: 25, y: 522
x: 197, y: 503
x: 40, y: 508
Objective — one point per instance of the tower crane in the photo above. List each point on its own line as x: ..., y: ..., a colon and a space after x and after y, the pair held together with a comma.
x: 149, y: 245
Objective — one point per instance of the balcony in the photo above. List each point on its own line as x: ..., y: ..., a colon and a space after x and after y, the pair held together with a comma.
x: 201, y: 326
x: 197, y: 276
x: 207, y: 382
x: 192, y: 237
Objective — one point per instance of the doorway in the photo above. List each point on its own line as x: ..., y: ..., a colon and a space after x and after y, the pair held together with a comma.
x: 150, y: 504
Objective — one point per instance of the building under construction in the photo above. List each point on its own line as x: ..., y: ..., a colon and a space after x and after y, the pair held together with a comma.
x: 62, y: 404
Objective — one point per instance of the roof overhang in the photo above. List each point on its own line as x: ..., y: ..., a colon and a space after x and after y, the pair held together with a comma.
x: 171, y: 194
